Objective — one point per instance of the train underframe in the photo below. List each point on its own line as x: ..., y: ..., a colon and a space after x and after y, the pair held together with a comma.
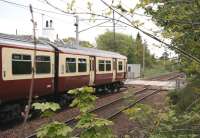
x: 14, y: 111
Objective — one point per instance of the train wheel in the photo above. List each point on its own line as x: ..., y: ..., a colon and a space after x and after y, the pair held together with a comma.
x: 115, y: 87
x: 109, y: 88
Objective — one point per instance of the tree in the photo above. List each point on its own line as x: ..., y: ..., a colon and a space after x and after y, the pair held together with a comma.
x: 181, y: 24
x: 126, y: 45
x: 72, y: 40
x: 165, y: 56
x: 86, y: 44
x: 123, y: 44
x: 139, y: 49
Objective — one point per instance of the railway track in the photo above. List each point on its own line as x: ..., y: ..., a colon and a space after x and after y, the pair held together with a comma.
x: 166, y: 77
x: 110, y: 110
x: 112, y: 114
x: 105, y: 111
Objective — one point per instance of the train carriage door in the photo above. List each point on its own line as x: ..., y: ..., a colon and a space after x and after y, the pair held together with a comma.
x: 114, y: 69
x: 92, y: 70
x: 125, y: 69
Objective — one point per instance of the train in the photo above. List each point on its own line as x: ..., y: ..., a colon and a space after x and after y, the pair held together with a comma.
x: 58, y: 68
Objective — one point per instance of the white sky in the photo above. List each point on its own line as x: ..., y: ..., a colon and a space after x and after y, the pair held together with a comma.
x: 13, y: 17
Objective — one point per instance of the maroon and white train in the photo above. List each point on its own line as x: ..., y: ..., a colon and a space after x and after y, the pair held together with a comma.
x: 59, y: 68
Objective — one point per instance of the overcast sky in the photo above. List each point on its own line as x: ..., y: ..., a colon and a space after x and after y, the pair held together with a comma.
x: 14, y: 17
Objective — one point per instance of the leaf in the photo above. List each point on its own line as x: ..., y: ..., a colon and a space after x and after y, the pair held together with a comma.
x: 47, y: 108
x: 84, y: 99
x: 54, y: 130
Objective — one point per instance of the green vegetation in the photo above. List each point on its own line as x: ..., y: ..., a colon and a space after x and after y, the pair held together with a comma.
x: 156, y: 70
x: 53, y: 129
x: 143, y: 115
x: 161, y: 67
x: 180, y: 24
x: 47, y: 108
x: 179, y: 118
x: 126, y: 45
x: 72, y: 41
x: 90, y: 124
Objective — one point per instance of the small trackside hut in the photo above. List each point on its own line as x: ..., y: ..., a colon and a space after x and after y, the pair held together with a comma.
x: 59, y: 68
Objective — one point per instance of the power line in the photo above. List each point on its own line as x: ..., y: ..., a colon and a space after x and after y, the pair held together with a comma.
x: 46, y: 11
x: 98, y: 25
x: 168, y: 20
x: 154, y: 37
x: 131, y: 25
x: 94, y: 26
x: 26, y: 7
x: 73, y: 13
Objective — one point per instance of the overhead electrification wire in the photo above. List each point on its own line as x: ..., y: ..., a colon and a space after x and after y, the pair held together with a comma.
x: 73, y: 13
x: 152, y: 36
x: 98, y: 25
x: 133, y: 26
x: 94, y: 26
x: 25, y: 6
x: 47, y: 11
x: 130, y: 25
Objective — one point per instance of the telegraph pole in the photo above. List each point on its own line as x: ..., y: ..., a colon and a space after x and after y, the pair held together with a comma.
x: 165, y: 56
x: 16, y: 32
x: 143, y: 60
x: 77, y: 30
x: 114, y: 26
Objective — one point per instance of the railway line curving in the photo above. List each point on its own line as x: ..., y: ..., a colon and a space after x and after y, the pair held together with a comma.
x: 118, y: 105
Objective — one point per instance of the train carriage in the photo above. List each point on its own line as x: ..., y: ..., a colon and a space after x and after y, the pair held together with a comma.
x: 59, y: 68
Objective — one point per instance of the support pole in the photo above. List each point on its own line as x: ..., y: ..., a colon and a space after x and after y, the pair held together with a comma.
x: 143, y: 60
x: 114, y: 26
x: 77, y: 30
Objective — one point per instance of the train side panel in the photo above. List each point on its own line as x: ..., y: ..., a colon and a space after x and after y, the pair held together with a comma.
x: 73, y: 71
x: 104, y: 71
x: 121, y: 69
x: 16, y: 74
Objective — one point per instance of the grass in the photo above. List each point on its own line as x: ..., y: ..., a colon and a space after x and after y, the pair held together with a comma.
x: 156, y: 70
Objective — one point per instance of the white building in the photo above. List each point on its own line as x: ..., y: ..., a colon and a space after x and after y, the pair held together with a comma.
x: 133, y: 71
x: 48, y: 30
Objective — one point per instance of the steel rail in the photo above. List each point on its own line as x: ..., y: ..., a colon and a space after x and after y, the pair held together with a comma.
x: 73, y: 121
x: 130, y: 105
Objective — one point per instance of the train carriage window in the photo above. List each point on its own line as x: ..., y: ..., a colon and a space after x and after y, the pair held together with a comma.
x: 101, y: 65
x: 82, y: 65
x: 120, y: 66
x: 21, y: 64
x: 108, y: 65
x: 70, y: 65
x: 43, y: 64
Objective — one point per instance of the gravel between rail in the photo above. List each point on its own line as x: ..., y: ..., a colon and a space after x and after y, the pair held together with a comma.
x: 61, y: 116
x: 72, y: 112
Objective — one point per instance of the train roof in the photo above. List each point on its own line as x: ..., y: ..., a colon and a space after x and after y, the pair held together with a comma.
x: 26, y: 41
